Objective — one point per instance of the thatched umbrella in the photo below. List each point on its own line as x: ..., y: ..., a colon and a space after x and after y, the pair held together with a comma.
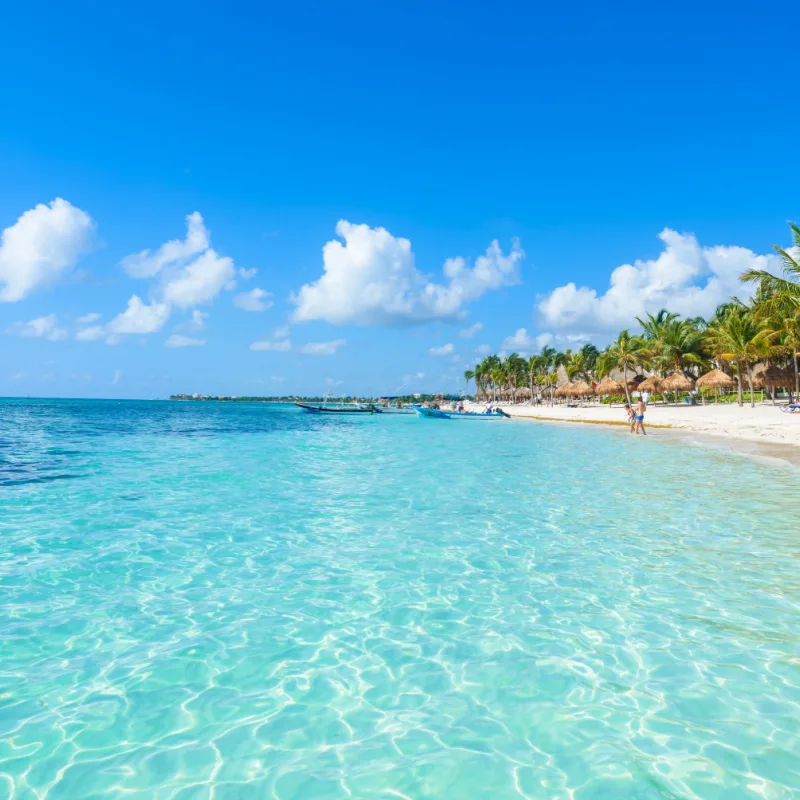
x: 716, y: 380
x: 635, y: 382
x: 774, y: 378
x: 580, y: 389
x: 651, y: 384
x: 610, y: 386
x: 677, y: 382
x: 565, y: 390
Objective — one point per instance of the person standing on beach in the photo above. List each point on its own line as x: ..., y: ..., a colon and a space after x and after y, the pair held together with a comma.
x: 631, y: 414
x: 646, y: 397
x: 639, y: 410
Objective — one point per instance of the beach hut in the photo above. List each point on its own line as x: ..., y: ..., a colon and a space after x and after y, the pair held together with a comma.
x: 716, y: 380
x: 580, y: 389
x: 563, y: 390
x: 677, y: 382
x: 609, y: 386
x: 775, y: 378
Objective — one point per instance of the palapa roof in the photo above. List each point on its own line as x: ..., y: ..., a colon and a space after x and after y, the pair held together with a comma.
x: 677, y: 382
x: 775, y: 376
x: 563, y: 390
x: 651, y: 384
x: 610, y: 386
x: 580, y: 389
x: 716, y: 379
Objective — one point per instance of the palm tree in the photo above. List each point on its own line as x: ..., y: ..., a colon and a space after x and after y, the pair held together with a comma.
x: 626, y: 354
x: 468, y: 376
x: 738, y: 339
x: 782, y: 294
x: 534, y: 367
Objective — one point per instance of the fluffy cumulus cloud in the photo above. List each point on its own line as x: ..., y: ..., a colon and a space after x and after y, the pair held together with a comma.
x: 88, y: 319
x: 39, y: 328
x: 41, y: 247
x: 254, y: 300
x: 686, y: 278
x: 520, y: 342
x: 179, y: 340
x: 444, y: 350
x: 369, y: 278
x: 139, y: 317
x: 147, y: 264
x: 185, y: 273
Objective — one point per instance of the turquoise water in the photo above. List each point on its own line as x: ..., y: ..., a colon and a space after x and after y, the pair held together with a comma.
x: 243, y: 601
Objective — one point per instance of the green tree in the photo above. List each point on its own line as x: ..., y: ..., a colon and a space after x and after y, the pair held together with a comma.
x: 737, y: 338
x: 625, y: 354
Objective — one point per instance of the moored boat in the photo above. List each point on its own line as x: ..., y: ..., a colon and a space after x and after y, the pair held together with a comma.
x: 436, y: 413
x: 312, y: 408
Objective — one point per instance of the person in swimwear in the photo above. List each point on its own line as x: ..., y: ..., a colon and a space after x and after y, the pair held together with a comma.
x: 638, y: 413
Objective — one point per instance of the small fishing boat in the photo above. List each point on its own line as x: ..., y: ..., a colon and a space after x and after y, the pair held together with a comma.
x: 436, y: 413
x: 311, y: 408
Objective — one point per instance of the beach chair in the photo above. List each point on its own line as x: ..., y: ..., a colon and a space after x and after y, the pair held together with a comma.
x: 790, y: 408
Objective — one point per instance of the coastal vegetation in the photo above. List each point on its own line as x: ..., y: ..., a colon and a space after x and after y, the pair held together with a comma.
x: 747, y: 345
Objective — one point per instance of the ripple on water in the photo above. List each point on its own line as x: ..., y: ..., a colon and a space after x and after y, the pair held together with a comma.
x: 244, y: 601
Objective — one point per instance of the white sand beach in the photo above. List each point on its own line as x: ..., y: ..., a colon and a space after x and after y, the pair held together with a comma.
x: 765, y: 423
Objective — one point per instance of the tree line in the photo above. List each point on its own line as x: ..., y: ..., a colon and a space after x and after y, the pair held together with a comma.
x: 738, y: 337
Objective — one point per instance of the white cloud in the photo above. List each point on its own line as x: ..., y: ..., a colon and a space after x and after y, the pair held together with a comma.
x: 370, y: 279
x: 179, y: 340
x: 194, y: 325
x: 39, y: 328
x: 483, y: 349
x: 43, y: 245
x: 116, y: 378
x: 90, y: 334
x: 88, y: 319
x: 201, y: 281
x: 281, y: 333
x: 444, y: 350
x: 519, y: 342
x: 543, y: 340
x: 254, y: 300
x: 147, y: 264
x: 248, y: 273
x: 18, y: 376
x: 322, y: 348
x: 468, y: 333
x: 191, y: 273
x: 272, y: 345
x: 139, y: 318
x: 685, y: 278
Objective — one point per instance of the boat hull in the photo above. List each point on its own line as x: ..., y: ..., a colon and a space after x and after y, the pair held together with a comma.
x: 311, y: 409
x: 435, y: 413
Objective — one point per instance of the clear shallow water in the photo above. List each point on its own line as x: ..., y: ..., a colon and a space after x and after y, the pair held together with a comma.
x: 242, y: 601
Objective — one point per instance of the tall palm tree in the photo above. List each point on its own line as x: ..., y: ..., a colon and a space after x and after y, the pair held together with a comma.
x: 738, y: 339
x: 468, y: 376
x: 783, y: 293
x: 626, y: 354
x: 534, y: 367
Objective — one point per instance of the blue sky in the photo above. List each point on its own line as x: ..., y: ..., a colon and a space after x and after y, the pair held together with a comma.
x: 362, y: 158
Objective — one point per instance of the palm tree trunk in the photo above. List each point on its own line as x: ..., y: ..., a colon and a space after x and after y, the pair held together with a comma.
x: 750, y: 381
x: 739, y: 383
x: 794, y: 365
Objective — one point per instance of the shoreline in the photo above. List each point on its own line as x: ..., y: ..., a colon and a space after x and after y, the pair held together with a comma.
x: 761, y: 431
